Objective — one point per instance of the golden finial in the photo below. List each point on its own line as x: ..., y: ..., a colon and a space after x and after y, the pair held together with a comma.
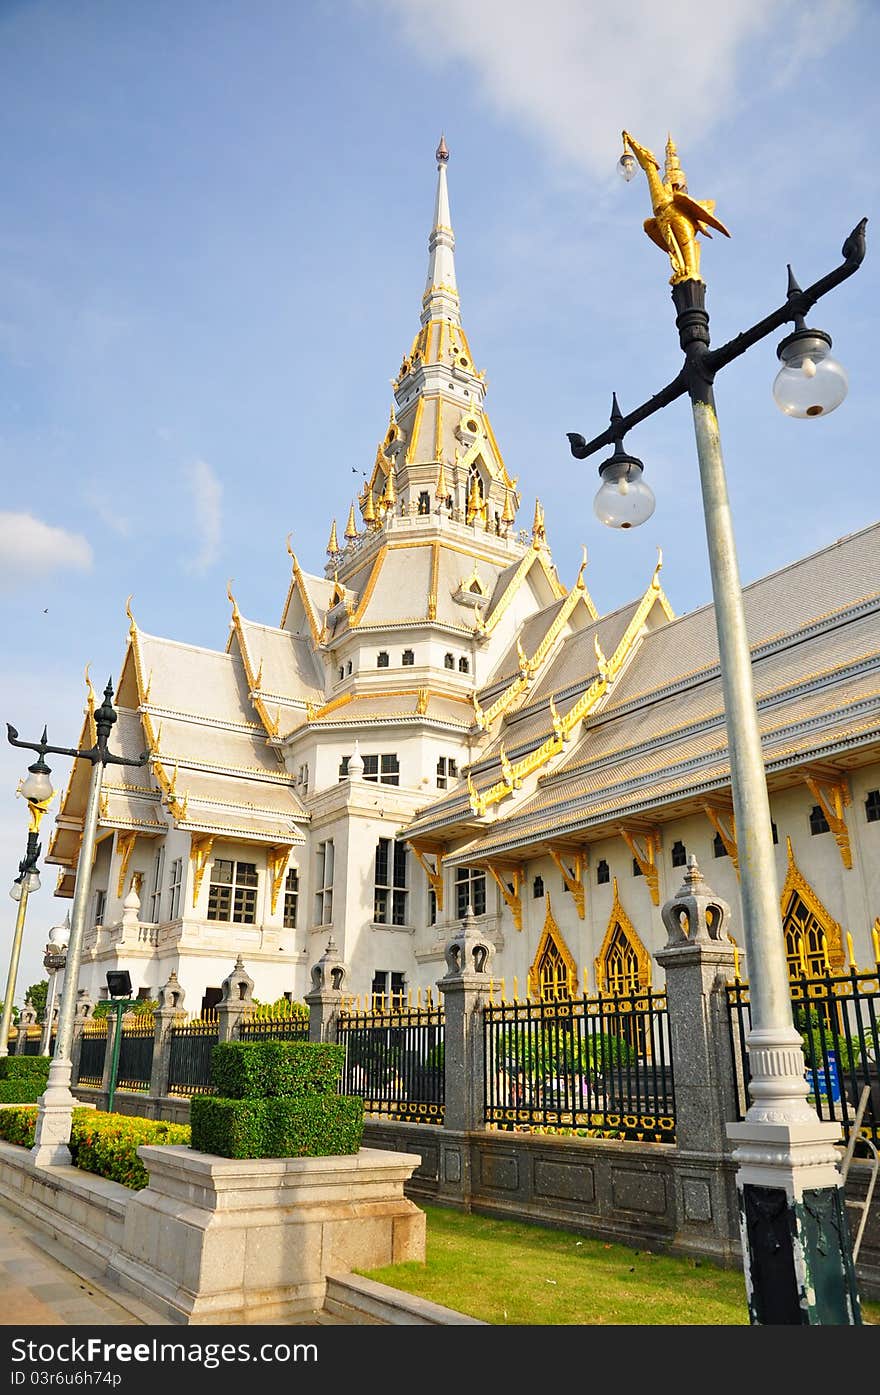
x: 539, y: 532
x: 289, y: 548
x: 235, y: 611
x: 332, y: 544
x: 521, y: 658
x: 132, y: 630
x: 677, y: 217
x: 351, y: 531
x: 368, y: 509
x: 515, y: 989
x: 441, y: 490
x: 474, y: 501
x: 849, y: 947
x: 655, y: 579
x: 390, y: 494
x: 875, y: 939
x: 509, y: 514
x: 580, y: 583
x: 555, y: 718
x: 90, y: 692
x: 736, y: 973
x: 674, y: 174
x: 600, y: 658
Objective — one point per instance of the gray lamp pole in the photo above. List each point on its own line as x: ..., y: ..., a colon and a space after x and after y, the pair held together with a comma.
x: 37, y: 790
x: 57, y: 1103
x: 796, y: 1245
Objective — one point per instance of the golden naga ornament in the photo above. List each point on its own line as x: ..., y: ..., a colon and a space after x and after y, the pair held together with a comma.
x: 677, y: 217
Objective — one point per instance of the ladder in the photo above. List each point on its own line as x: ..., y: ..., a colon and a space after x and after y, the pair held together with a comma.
x: 872, y: 1163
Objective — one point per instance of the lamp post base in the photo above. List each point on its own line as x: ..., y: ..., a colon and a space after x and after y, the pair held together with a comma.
x: 797, y: 1251
x: 54, y: 1113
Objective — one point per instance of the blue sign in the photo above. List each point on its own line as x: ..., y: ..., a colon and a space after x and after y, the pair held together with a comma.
x: 825, y: 1083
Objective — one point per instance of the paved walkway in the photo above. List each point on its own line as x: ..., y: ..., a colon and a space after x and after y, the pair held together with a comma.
x: 42, y: 1283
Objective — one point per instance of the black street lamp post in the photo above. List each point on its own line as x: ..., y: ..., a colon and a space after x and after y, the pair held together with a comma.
x: 796, y: 1246
x: 37, y: 790
x: 57, y: 1103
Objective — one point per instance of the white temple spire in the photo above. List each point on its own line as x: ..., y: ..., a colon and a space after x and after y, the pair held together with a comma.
x: 440, y: 300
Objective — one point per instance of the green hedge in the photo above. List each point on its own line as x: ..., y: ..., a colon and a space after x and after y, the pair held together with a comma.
x: 242, y: 1070
x: 14, y: 1067
x: 310, y: 1126
x: 27, y: 1090
x: 105, y: 1144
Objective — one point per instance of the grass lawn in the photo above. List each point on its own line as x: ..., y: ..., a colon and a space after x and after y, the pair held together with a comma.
x: 505, y: 1272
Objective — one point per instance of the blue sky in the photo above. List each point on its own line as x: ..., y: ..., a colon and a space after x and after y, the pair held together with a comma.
x: 212, y: 253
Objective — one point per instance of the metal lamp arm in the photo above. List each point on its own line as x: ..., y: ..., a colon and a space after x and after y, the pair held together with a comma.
x: 94, y: 753
x: 797, y: 304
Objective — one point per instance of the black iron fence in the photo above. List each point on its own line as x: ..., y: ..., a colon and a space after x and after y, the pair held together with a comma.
x: 93, y: 1048
x: 189, y: 1064
x: 394, y: 1059
x: 136, y: 1053
x: 291, y: 1028
x: 599, y: 1067
x: 837, y: 1016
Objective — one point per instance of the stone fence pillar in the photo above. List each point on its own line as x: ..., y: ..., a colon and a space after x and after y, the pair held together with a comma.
x: 325, y: 998
x: 82, y: 1011
x: 699, y: 960
x: 237, y: 997
x: 26, y: 1018
x: 465, y: 987
x: 169, y: 1006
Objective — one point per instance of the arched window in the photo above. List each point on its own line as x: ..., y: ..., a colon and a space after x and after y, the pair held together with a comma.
x: 449, y: 661
x: 872, y: 806
x: 407, y: 658
x: 538, y: 888
x: 464, y: 665
x: 382, y: 658
x: 553, y: 973
x: 718, y: 846
x: 679, y: 854
x: 603, y: 872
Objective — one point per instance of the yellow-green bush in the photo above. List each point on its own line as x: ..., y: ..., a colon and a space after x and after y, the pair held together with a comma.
x: 105, y: 1144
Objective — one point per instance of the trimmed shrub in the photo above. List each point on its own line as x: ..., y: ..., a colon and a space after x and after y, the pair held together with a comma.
x: 276, y: 1069
x: 309, y: 1126
x: 14, y: 1067
x: 26, y: 1090
x: 228, y: 1128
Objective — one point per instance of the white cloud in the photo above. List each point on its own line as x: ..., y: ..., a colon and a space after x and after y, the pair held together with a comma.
x: 207, y: 493
x: 116, y: 522
x: 29, y: 548
x: 575, y: 73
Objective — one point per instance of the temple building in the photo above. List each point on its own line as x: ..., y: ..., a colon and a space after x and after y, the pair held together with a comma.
x: 438, y: 721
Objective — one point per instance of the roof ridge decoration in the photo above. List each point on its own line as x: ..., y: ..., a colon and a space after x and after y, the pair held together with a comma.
x: 298, y: 582
x: 254, y: 680
x: 528, y: 667
x: 88, y: 737
x: 563, y: 727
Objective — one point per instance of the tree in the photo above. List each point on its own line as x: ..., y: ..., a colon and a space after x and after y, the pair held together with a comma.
x: 36, y: 996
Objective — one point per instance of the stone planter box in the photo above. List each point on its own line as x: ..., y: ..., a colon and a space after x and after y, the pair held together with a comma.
x: 222, y: 1240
